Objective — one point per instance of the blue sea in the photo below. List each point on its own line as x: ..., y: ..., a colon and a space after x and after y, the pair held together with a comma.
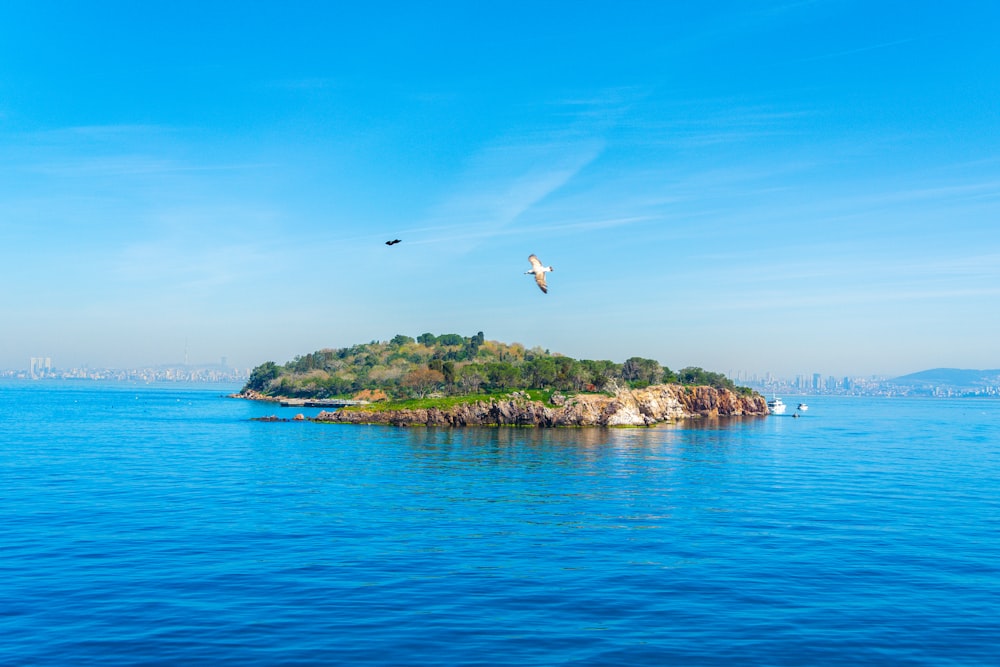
x: 158, y: 525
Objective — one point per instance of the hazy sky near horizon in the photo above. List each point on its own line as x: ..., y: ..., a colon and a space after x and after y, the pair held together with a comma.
x: 790, y: 186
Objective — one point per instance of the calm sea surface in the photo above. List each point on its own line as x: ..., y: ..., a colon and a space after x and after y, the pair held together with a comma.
x: 158, y: 525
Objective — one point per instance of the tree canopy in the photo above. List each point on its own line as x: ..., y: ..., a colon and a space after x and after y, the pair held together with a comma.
x: 451, y: 364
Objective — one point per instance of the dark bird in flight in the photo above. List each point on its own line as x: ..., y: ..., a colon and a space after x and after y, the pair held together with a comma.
x: 392, y: 242
x: 539, y: 271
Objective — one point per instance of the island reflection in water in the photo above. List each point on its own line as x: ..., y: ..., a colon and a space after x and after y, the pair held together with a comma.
x: 477, y: 443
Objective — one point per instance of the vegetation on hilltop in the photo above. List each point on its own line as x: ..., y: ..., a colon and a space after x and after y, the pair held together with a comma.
x: 453, y: 365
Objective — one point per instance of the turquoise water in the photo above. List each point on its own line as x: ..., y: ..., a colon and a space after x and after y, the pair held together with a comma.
x: 158, y: 525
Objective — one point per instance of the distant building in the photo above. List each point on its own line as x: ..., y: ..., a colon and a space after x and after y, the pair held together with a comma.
x: 39, y: 367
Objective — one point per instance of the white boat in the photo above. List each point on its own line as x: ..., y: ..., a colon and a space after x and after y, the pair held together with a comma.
x: 803, y: 407
x: 776, y: 406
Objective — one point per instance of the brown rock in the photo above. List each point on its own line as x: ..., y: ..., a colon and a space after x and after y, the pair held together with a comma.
x: 640, y: 407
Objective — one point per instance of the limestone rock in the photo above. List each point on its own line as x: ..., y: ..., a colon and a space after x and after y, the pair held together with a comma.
x: 639, y: 407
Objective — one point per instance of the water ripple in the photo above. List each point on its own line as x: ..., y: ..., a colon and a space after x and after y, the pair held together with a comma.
x: 151, y: 525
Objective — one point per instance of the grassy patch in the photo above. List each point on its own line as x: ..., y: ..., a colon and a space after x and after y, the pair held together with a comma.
x: 442, y: 403
x: 543, y: 396
x: 540, y: 395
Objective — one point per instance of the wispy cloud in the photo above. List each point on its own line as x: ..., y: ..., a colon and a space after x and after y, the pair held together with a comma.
x: 783, y: 301
x: 200, y: 248
x: 171, y: 267
x: 123, y: 165
x: 797, y: 279
x: 110, y: 150
x: 980, y: 190
x: 112, y: 132
x: 434, y: 235
x: 696, y: 123
x: 855, y: 51
x: 304, y: 83
x: 504, y: 182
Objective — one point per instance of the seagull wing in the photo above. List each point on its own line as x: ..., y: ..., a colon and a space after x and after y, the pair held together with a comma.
x: 540, y: 279
x: 535, y: 264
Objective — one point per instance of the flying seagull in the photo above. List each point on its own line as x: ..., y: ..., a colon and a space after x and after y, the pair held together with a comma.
x: 392, y: 242
x: 539, y: 271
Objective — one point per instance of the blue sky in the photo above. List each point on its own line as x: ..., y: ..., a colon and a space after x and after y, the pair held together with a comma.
x: 794, y: 186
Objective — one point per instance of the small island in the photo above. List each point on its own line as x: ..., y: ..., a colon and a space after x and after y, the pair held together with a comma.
x: 451, y: 380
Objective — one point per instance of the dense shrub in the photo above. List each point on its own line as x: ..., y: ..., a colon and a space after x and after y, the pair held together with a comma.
x: 453, y: 364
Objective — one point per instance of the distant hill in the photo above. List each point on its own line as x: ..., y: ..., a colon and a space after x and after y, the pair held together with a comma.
x: 950, y: 377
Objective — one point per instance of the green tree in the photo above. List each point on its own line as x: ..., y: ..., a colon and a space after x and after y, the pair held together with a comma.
x: 261, y: 376
x: 540, y: 372
x: 641, y: 372
x: 693, y: 375
x: 570, y: 375
x: 600, y: 372
x: 463, y: 364
x: 338, y: 386
x: 471, y: 377
x: 422, y: 380
x: 503, y: 375
x: 472, y: 346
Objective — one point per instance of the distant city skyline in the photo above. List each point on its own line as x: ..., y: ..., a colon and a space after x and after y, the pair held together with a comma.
x: 792, y: 187
x: 969, y: 385
x: 45, y: 367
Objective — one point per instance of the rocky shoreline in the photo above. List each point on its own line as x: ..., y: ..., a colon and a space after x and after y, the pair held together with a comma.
x: 627, y: 407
